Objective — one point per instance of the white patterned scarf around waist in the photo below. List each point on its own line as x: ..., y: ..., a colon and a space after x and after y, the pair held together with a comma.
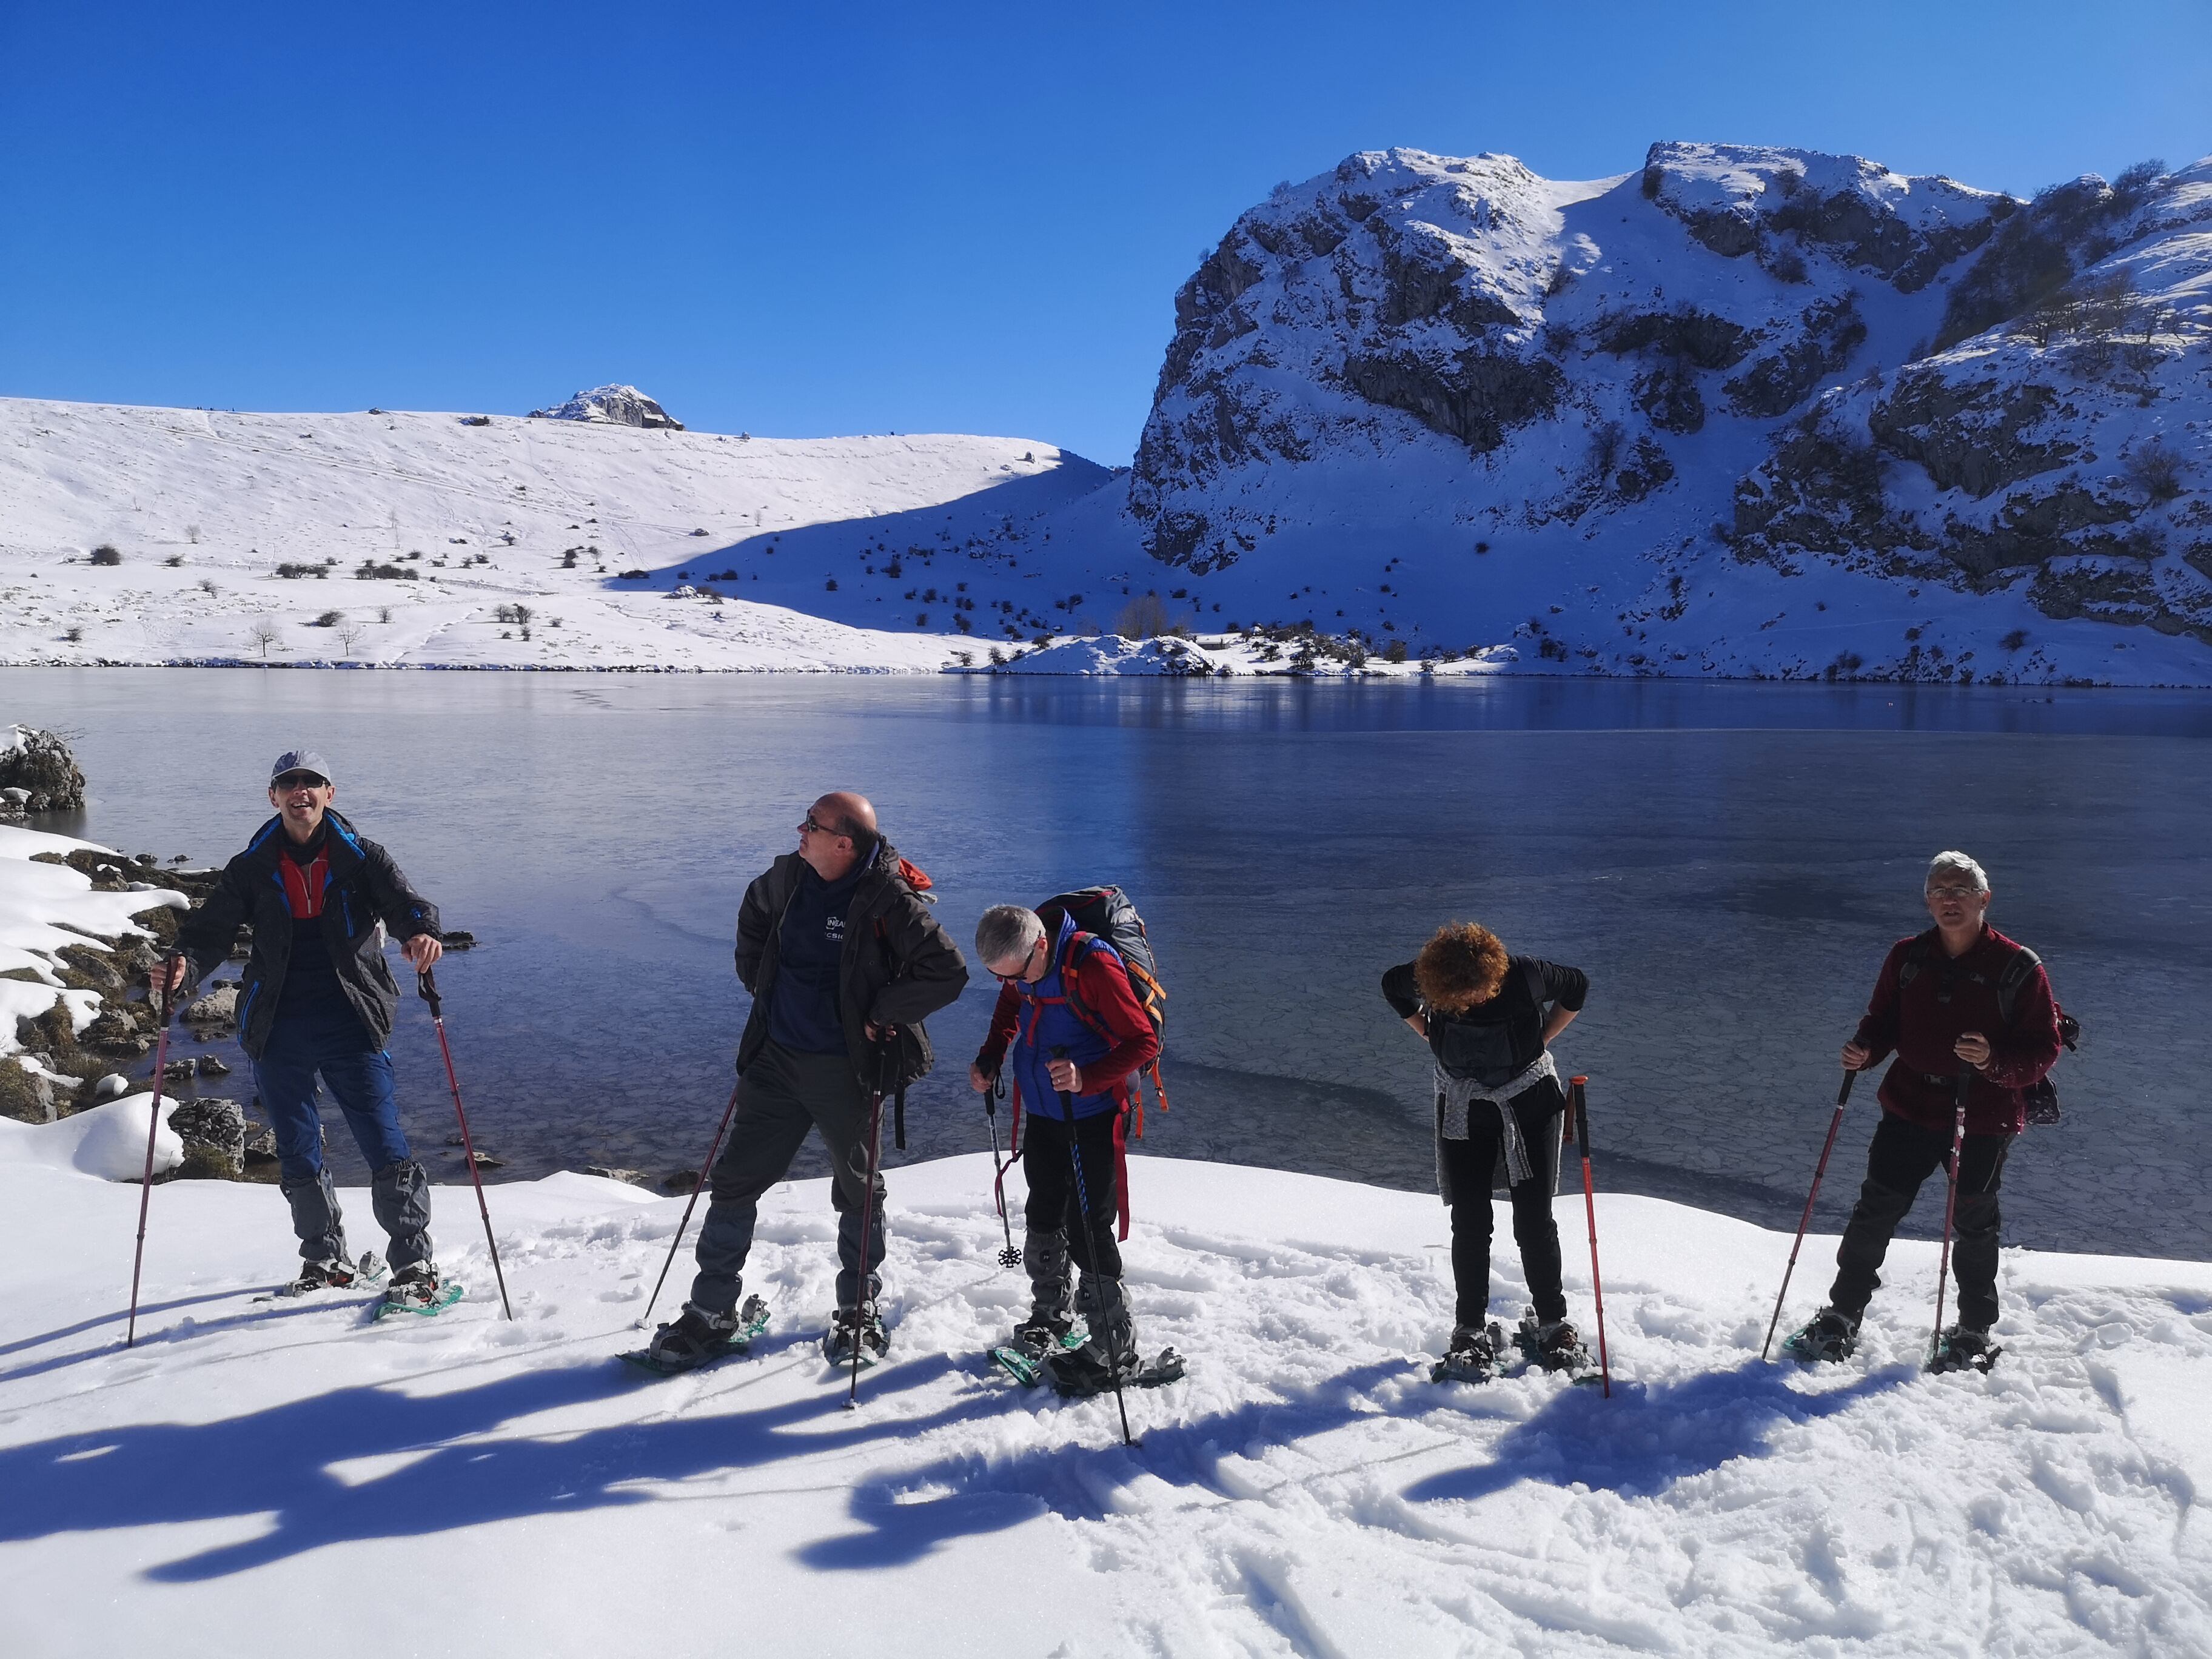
x: 1458, y: 1094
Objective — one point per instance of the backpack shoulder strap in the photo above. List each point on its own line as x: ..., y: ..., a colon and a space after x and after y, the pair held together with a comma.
x: 1915, y: 958
x: 1534, y: 980
x: 2017, y: 972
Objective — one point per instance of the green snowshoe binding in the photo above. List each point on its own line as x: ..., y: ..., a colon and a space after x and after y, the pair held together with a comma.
x: 860, y: 1327
x: 1023, y: 1359
x: 1831, y: 1337
x: 696, y: 1338
x: 418, y: 1290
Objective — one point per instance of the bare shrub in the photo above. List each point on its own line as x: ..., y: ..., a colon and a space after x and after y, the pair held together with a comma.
x: 2155, y: 468
x: 106, y: 554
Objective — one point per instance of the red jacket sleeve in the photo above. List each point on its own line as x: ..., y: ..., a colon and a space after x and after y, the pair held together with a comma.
x: 1006, y: 1020
x: 1104, y: 985
x: 1877, y: 1032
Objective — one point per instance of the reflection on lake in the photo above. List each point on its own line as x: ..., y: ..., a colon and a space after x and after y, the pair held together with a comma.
x: 1728, y: 861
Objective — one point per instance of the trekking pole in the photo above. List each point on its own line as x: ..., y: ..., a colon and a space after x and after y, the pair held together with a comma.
x: 1091, y: 1249
x: 1589, y: 1205
x: 165, y: 1008
x: 1008, y: 1257
x: 867, y: 1221
x: 697, y: 1186
x: 1834, y: 1123
x: 1951, y: 1207
x: 427, y: 985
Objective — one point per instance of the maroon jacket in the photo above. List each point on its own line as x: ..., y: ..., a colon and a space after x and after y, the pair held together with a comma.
x: 1914, y: 1020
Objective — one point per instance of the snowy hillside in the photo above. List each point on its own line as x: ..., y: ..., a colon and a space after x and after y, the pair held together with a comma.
x: 467, y: 1487
x: 1686, y: 420
x: 424, y: 540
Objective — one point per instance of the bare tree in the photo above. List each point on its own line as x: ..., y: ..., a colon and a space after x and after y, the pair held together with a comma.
x: 264, y: 634
x: 350, y: 637
x: 1143, y: 619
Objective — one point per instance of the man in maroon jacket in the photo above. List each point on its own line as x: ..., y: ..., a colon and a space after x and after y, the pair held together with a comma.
x: 1960, y: 998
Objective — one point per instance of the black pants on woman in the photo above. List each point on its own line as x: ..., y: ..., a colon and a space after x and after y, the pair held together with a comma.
x: 1469, y: 1164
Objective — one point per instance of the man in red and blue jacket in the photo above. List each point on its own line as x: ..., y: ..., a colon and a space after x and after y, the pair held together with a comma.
x: 1073, y: 1034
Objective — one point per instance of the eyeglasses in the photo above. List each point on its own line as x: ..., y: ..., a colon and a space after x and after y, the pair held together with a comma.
x: 819, y: 829
x: 292, y: 781
x: 1960, y: 893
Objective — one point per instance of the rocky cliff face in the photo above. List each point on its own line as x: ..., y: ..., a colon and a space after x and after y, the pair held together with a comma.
x: 1733, y: 358
x: 611, y: 405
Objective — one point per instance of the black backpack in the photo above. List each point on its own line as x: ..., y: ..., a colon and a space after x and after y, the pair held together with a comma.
x: 2042, y: 1097
x: 1107, y: 914
x: 1483, y: 1053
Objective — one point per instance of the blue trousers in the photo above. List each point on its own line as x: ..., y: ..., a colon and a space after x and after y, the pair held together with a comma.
x: 326, y: 1038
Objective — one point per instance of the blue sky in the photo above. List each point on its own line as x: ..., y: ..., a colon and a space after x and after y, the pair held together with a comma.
x: 864, y: 218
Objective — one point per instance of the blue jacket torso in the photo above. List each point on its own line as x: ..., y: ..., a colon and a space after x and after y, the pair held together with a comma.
x: 1047, y: 1024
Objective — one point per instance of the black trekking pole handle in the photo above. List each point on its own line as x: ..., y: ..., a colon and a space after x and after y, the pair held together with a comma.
x: 1008, y: 1255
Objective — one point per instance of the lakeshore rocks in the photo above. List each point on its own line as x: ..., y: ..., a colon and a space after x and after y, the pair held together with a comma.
x: 38, y: 773
x: 214, y: 1135
x: 218, y: 1007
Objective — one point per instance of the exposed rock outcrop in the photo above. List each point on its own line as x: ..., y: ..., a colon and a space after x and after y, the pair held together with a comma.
x: 611, y: 405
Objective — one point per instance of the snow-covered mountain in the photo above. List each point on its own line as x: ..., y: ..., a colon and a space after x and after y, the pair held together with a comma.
x: 1744, y: 410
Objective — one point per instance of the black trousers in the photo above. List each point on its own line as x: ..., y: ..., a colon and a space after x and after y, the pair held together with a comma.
x: 1902, y: 1156
x: 1053, y: 1205
x: 1469, y: 1163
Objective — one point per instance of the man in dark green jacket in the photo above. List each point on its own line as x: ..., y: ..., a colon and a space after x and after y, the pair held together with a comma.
x: 318, y: 998
x: 844, y: 962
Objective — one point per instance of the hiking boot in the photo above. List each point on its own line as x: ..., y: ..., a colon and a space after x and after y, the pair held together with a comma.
x: 863, y: 1326
x: 695, y: 1335
x: 335, y: 1273
x: 1833, y: 1335
x: 1557, y: 1345
x: 1964, y: 1346
x: 415, y: 1288
x: 1043, y: 1330
x: 1471, y: 1356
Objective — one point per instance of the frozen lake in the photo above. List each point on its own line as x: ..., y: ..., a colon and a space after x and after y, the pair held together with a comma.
x: 1728, y: 861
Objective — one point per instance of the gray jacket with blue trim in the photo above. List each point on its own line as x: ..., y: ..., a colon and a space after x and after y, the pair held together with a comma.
x: 367, y: 898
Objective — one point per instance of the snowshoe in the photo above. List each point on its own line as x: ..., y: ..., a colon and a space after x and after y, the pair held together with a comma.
x: 1964, y: 1348
x: 1832, y: 1336
x: 1471, y: 1356
x: 1081, y: 1372
x: 1024, y: 1359
x: 418, y: 1290
x: 862, y: 1327
x: 1557, y: 1347
x: 335, y: 1274
x: 697, y: 1338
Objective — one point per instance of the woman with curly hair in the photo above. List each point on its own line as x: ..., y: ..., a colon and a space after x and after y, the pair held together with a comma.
x: 1489, y: 1018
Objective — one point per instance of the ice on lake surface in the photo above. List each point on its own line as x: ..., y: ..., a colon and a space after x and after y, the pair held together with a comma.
x: 1728, y: 861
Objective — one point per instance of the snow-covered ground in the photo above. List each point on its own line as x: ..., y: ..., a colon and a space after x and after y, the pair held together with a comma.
x: 472, y: 1486
x: 203, y: 508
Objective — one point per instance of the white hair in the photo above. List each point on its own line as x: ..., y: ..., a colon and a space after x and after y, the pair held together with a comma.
x: 1962, y: 865
x: 1006, y: 931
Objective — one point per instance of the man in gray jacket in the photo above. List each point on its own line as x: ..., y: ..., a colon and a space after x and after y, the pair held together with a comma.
x: 318, y: 998
x: 844, y: 962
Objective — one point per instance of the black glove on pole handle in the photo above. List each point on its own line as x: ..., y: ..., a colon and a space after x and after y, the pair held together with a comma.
x: 1842, y: 1098
x: 427, y: 985
x: 167, y: 1007
x: 1589, y: 1205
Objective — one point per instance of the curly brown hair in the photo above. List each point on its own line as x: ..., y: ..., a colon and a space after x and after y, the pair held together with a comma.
x: 1463, y: 964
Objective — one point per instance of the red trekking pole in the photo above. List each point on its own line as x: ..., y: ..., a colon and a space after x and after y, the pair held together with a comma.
x: 699, y: 1186
x: 1589, y: 1206
x: 1835, y: 1123
x: 167, y: 1009
x: 1951, y: 1208
x: 428, y: 987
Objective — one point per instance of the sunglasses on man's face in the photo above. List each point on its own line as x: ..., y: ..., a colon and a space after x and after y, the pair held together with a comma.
x: 292, y: 781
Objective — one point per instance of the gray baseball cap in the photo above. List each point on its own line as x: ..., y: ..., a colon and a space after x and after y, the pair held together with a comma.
x: 300, y: 760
